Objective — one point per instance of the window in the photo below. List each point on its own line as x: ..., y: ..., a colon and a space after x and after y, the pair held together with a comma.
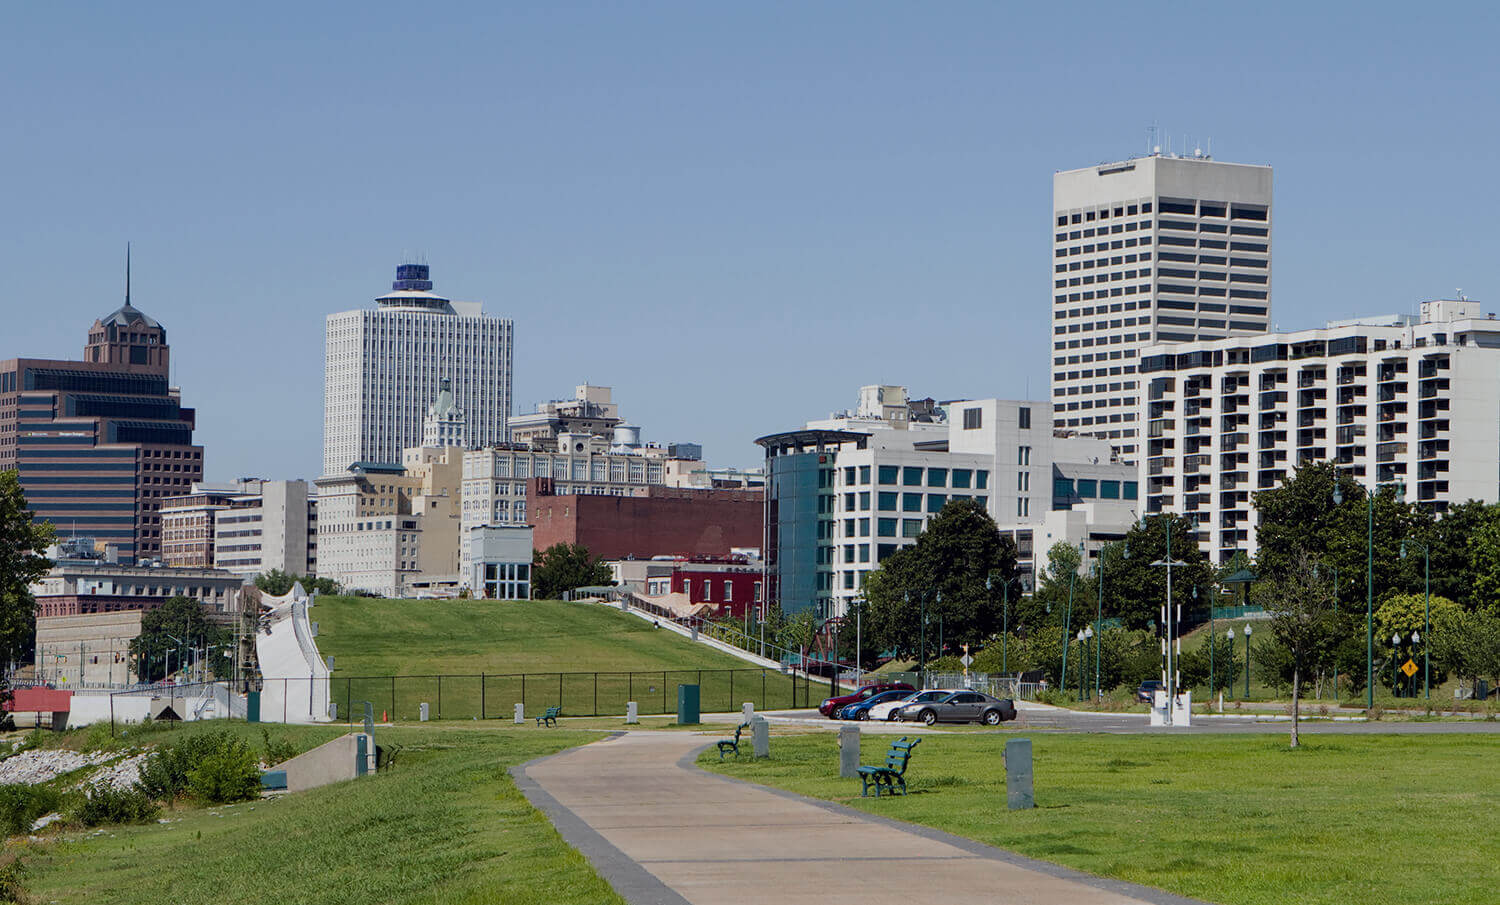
x: 961, y: 478
x: 864, y: 501
x: 864, y: 527
x: 1088, y: 488
x: 885, y: 527
x: 1130, y: 490
x: 1024, y: 417
x: 887, y: 502
x: 936, y: 502
x: 1023, y: 457
x: 911, y: 527
x: 937, y: 477
x: 728, y: 591
x: 911, y: 502
x: 973, y: 419
x: 849, y: 474
x: 889, y: 474
x: 983, y: 477
x: 1109, y: 490
x: 1023, y: 507
x: 1023, y: 481
x: 864, y: 474
x: 911, y: 477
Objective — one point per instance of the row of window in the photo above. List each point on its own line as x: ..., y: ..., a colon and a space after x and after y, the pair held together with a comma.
x: 1090, y: 488
x: 914, y: 475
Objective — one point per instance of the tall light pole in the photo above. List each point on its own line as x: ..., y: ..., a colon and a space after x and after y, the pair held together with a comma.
x: 1068, y: 620
x: 1230, y: 683
x: 1081, y: 659
x: 1247, y: 661
x: 1338, y: 499
x: 1426, y: 609
x: 1098, y: 618
x: 1004, y: 614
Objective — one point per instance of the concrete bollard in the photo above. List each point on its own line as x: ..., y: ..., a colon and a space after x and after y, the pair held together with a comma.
x: 747, y: 711
x: 760, y: 733
x: 1018, y: 788
x: 520, y: 713
x: 849, y: 751
x: 422, y: 712
x: 632, y: 712
x: 695, y: 631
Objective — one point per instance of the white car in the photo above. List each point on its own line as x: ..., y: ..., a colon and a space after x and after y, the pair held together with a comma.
x: 887, y: 711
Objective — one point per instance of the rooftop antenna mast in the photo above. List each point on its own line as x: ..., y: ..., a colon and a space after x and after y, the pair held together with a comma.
x: 127, y: 274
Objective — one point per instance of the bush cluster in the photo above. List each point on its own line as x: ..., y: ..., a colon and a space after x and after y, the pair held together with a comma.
x: 278, y: 750
x: 21, y: 805
x: 215, y: 767
x: 104, y: 804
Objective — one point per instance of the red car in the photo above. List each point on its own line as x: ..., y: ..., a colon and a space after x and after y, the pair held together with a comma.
x: 831, y: 706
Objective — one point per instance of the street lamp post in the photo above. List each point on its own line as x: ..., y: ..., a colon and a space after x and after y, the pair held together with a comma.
x: 1395, y: 671
x: 1230, y: 683
x: 1004, y: 615
x: 1247, y: 661
x: 1426, y: 609
x: 1080, y: 664
x: 1338, y: 498
x: 1068, y: 620
x: 1098, y: 619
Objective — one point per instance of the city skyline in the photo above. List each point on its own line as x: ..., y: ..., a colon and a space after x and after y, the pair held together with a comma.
x: 794, y: 201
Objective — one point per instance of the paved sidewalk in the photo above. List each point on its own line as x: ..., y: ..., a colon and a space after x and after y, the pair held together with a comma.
x: 663, y: 832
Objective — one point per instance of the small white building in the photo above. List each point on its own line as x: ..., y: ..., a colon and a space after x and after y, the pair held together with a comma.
x: 500, y: 558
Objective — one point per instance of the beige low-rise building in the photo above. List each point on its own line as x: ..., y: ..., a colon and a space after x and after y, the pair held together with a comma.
x: 87, y: 650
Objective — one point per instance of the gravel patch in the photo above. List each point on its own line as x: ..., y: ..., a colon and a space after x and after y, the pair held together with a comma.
x: 41, y: 766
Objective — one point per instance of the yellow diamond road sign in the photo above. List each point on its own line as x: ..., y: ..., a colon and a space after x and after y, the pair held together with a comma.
x: 1410, y: 668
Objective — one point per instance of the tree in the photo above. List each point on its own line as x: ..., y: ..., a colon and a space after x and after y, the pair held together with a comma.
x: 171, y: 631
x: 1468, y: 646
x: 1135, y: 590
x: 22, y: 542
x: 944, y: 575
x: 566, y: 567
x: 1300, y: 602
x: 277, y: 583
x: 1300, y: 518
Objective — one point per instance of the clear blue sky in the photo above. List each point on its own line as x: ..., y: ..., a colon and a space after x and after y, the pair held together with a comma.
x: 735, y: 215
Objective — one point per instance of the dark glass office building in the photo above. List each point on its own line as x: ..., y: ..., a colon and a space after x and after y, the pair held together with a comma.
x: 100, y: 442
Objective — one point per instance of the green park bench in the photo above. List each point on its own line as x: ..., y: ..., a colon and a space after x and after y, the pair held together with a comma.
x: 550, y: 717
x: 893, y: 773
x: 732, y: 744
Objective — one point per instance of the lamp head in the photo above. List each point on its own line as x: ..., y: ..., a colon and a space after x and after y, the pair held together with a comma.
x: 1395, y: 640
x: 1230, y: 634
x: 1416, y: 638
x: 1403, y: 549
x: 1247, y: 630
x: 1338, y: 493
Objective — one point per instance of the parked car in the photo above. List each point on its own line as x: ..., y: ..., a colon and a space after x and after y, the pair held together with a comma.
x: 887, y: 710
x: 959, y: 707
x: 831, y: 706
x: 1145, y: 693
x: 860, y: 710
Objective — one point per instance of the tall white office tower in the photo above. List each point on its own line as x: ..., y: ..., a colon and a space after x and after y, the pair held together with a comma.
x: 1154, y: 249
x: 384, y: 367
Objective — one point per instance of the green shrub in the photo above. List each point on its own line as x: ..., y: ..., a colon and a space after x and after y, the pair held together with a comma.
x: 229, y: 773
x: 12, y: 878
x: 169, y: 771
x: 105, y: 804
x: 278, y: 750
x: 21, y: 805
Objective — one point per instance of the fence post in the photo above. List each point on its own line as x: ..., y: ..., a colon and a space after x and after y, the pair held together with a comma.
x: 731, y: 690
x: 630, y: 690
x: 481, y: 697
x: 440, y: 697
x: 559, y: 690
x: 763, y: 704
x: 664, y: 691
x: 596, y: 695
x: 523, y: 688
x: 393, y: 699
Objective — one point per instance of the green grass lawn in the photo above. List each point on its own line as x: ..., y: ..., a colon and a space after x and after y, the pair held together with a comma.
x: 444, y: 825
x: 1228, y: 819
x: 587, y: 658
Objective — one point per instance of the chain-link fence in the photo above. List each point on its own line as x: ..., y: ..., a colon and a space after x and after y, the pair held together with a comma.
x: 484, y: 696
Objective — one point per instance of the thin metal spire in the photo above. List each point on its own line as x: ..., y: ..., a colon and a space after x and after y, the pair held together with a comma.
x: 127, y: 274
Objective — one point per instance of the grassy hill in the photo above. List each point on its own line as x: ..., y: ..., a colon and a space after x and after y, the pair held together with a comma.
x: 585, y: 657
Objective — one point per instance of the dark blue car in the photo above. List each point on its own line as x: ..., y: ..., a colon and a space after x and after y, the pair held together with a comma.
x: 861, y: 709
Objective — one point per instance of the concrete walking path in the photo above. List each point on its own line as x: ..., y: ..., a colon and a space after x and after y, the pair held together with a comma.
x: 663, y: 832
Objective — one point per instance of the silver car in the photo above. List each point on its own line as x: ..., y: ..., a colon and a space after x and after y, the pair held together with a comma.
x: 959, y: 707
x: 888, y: 710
